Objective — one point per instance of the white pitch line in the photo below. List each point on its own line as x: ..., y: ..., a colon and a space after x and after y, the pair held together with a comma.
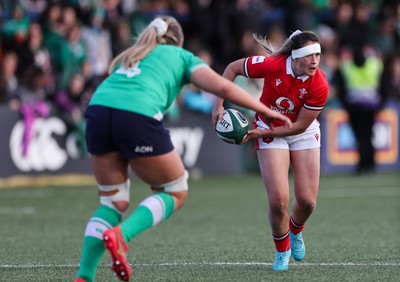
x: 268, y: 263
x: 17, y: 211
x: 27, y: 266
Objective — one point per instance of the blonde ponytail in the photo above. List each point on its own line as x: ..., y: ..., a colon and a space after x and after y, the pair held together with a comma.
x: 148, y: 40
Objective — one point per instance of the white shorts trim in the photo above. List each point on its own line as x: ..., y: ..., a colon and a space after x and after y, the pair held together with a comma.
x: 309, y: 139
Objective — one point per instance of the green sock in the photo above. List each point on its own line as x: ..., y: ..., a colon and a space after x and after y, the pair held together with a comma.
x: 93, y: 245
x: 152, y: 211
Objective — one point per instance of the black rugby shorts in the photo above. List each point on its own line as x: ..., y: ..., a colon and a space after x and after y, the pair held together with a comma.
x: 133, y: 135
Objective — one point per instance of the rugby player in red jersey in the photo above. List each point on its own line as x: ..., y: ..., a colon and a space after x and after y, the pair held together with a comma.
x: 295, y: 87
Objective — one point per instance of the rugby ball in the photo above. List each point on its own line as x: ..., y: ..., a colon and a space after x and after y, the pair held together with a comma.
x: 233, y: 127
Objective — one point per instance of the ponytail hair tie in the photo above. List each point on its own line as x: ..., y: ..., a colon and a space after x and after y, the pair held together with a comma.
x: 294, y: 34
x: 160, y: 25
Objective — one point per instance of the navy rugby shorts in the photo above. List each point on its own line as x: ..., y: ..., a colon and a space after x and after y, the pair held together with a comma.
x: 133, y: 135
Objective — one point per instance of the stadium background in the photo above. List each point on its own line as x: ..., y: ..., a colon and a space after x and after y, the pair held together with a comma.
x: 57, y: 45
x: 222, y: 233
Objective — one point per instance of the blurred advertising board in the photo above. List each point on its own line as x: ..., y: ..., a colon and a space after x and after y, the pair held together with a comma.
x: 53, y: 150
x: 339, y: 152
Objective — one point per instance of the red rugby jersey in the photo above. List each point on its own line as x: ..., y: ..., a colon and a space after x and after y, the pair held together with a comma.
x: 284, y: 93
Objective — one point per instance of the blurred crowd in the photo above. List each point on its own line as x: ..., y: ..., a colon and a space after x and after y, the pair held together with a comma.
x: 59, y: 50
x: 54, y: 53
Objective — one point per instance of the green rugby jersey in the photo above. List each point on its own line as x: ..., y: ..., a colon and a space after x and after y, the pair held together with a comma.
x: 149, y: 87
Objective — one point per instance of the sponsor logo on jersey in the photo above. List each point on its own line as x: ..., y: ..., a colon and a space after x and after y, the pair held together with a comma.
x: 278, y: 81
x: 257, y: 59
x: 285, y: 103
x: 284, y: 106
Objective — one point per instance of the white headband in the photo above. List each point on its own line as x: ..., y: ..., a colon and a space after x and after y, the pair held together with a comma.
x: 306, y: 50
x: 160, y: 25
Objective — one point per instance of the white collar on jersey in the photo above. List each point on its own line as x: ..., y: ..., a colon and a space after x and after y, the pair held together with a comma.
x: 289, y: 69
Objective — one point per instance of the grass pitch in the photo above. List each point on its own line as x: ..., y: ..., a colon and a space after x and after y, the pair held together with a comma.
x: 221, y: 234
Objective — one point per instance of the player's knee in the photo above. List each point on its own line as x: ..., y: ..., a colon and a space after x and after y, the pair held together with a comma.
x: 278, y: 207
x: 116, y: 196
x: 178, y: 188
x: 307, y: 204
x: 178, y: 185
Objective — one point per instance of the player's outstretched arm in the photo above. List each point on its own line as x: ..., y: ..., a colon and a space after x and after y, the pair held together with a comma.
x: 210, y: 81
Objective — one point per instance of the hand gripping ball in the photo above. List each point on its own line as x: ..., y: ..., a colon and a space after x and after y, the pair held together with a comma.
x: 233, y: 127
